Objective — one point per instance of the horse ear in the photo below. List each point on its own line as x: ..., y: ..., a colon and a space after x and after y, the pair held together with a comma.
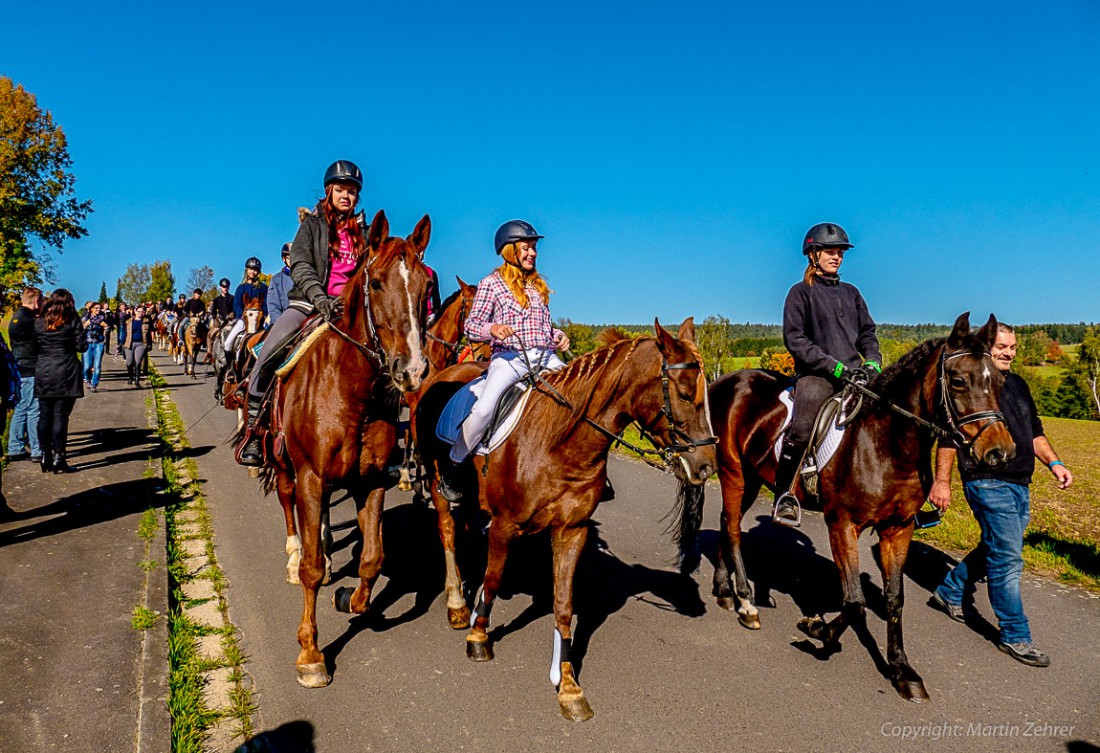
x: 988, y: 333
x: 379, y: 230
x: 687, y: 329
x: 463, y: 286
x: 960, y: 332
x: 420, y: 236
x: 664, y: 339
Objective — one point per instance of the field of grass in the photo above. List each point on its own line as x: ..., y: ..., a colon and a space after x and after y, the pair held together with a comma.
x: 1064, y: 536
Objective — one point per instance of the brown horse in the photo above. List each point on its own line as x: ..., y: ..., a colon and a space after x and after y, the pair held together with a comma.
x: 878, y: 478
x: 338, y: 413
x: 549, y: 474
x: 193, y: 336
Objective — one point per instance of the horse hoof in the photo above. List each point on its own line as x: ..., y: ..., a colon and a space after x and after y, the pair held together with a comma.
x: 478, y: 650
x: 814, y: 627
x: 751, y: 621
x: 727, y: 602
x: 404, y: 485
x: 313, y: 675
x: 912, y: 690
x: 342, y: 599
x: 459, y: 618
x: 253, y: 472
x: 576, y: 708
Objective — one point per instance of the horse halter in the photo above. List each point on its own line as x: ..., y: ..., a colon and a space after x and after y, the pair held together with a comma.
x: 954, y: 421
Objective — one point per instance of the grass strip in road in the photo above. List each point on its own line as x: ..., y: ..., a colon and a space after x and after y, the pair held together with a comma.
x: 187, y: 519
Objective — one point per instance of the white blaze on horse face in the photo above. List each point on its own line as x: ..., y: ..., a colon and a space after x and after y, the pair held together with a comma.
x: 413, y: 335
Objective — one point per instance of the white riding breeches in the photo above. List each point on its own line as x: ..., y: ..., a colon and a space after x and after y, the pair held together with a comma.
x: 234, y: 333
x: 505, y: 369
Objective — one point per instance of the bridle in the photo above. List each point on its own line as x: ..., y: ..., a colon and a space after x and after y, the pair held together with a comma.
x: 955, y: 422
x: 667, y: 452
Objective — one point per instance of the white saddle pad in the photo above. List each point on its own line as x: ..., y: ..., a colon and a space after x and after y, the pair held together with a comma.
x: 826, y: 448
x: 459, y: 406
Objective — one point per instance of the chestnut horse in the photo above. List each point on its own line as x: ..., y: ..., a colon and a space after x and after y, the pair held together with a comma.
x: 878, y: 478
x: 194, y: 332
x: 338, y: 413
x: 549, y: 474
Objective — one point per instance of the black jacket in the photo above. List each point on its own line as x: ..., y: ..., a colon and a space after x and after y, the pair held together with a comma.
x: 21, y: 337
x: 826, y: 323
x: 310, y: 264
x: 59, y: 373
x: 222, y: 307
x: 1024, y: 425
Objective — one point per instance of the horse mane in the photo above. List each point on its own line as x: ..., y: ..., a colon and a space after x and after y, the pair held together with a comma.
x: 611, y: 335
x: 585, y: 383
x: 449, y: 300
x: 891, y: 379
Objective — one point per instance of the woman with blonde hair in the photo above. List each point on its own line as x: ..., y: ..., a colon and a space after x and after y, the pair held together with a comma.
x: 510, y: 310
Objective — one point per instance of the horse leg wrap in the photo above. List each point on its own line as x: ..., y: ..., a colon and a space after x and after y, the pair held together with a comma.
x: 482, y: 608
x: 562, y: 648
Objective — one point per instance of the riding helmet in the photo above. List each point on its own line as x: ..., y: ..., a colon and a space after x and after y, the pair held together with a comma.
x: 224, y: 282
x: 344, y: 171
x: 286, y: 249
x: 825, y: 234
x: 253, y: 263
x: 512, y: 231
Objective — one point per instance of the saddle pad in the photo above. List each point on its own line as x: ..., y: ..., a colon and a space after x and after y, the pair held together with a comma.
x: 826, y: 445
x: 311, y: 333
x: 462, y: 402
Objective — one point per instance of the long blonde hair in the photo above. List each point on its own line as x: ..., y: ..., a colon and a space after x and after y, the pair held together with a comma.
x: 517, y: 280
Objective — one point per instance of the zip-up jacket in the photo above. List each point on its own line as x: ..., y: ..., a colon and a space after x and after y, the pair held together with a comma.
x: 827, y: 323
x: 21, y: 337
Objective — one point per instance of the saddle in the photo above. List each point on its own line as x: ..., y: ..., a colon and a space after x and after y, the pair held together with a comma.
x: 833, y: 418
x: 505, y: 417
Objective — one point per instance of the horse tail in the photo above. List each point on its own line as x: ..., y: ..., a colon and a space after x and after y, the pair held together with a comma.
x: 268, y: 475
x: 686, y: 518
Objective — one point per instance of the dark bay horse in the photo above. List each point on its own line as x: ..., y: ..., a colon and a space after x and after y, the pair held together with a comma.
x: 549, y: 474
x: 879, y: 477
x: 338, y: 412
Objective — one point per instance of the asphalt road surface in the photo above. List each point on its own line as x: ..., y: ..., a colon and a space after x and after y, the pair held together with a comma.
x: 664, y: 668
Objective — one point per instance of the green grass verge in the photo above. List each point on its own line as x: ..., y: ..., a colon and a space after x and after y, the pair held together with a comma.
x: 191, y: 719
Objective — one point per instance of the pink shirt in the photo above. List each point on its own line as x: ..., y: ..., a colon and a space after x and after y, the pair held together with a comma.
x: 343, y: 264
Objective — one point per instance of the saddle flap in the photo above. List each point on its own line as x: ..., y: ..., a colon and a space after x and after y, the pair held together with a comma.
x: 505, y: 417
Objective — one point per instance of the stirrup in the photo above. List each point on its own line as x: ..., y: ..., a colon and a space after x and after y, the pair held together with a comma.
x: 787, y: 511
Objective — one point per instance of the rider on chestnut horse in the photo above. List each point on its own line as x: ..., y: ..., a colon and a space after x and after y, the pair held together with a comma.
x: 256, y: 291
x: 511, y: 309
x: 322, y: 259
x: 831, y: 335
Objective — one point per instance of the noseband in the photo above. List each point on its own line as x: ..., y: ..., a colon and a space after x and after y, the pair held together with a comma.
x: 954, y: 421
x: 686, y: 443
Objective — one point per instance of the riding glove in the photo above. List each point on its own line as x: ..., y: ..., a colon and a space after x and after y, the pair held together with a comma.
x: 329, y: 309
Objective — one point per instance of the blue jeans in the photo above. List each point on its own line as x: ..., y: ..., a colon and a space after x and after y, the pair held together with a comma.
x: 93, y: 361
x: 24, y: 422
x: 1002, y: 510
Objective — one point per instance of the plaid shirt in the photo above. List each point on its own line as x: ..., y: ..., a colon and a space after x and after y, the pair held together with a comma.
x: 495, y: 304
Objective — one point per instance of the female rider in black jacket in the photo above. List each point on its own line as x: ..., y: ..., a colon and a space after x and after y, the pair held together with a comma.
x: 322, y: 258
x: 831, y: 336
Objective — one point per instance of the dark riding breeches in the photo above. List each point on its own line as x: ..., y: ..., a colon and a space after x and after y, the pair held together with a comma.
x: 284, y: 328
x: 810, y: 393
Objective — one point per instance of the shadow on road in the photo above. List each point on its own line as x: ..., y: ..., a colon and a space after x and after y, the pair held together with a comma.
x: 292, y: 737
x: 86, y: 509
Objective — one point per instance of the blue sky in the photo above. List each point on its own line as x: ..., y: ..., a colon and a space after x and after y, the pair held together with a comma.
x: 673, y: 154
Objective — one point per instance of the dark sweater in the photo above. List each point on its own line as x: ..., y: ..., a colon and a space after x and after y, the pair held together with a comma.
x: 826, y: 323
x: 21, y: 336
x: 1024, y: 425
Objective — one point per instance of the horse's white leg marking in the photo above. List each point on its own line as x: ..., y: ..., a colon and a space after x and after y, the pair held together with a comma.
x: 294, y: 558
x: 453, y: 585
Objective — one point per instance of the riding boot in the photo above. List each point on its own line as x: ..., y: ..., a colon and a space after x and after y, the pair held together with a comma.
x: 47, y: 460
x: 448, y: 487
x: 252, y: 454
x: 787, y: 511
x: 59, y: 464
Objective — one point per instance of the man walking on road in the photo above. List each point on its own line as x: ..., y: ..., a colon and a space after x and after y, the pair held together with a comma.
x: 1000, y: 502
x: 24, y: 420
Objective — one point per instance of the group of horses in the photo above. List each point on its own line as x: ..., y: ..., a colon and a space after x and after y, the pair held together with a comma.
x: 335, y: 424
x: 182, y: 340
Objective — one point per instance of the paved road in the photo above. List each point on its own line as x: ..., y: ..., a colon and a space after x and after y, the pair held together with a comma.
x: 663, y: 667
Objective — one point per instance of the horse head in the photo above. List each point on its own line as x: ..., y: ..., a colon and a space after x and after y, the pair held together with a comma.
x: 969, y: 393
x: 446, y: 331
x: 253, y: 313
x: 678, y: 414
x: 385, y: 302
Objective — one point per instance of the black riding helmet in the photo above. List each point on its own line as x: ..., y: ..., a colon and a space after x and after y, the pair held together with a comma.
x: 512, y: 231
x: 825, y: 234
x: 224, y: 282
x: 253, y: 263
x: 344, y: 171
x: 286, y: 249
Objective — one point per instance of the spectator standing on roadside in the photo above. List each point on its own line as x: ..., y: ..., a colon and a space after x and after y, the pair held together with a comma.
x: 95, y: 329
x: 1001, y: 505
x: 23, y: 432
x: 279, y: 290
x: 122, y: 315
x: 137, y: 337
x: 59, y: 337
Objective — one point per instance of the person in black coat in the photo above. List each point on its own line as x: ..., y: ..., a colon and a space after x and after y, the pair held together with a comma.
x: 58, y: 382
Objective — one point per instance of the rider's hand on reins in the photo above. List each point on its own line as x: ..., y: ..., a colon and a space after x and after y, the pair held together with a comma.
x: 562, y: 341
x: 501, y: 331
